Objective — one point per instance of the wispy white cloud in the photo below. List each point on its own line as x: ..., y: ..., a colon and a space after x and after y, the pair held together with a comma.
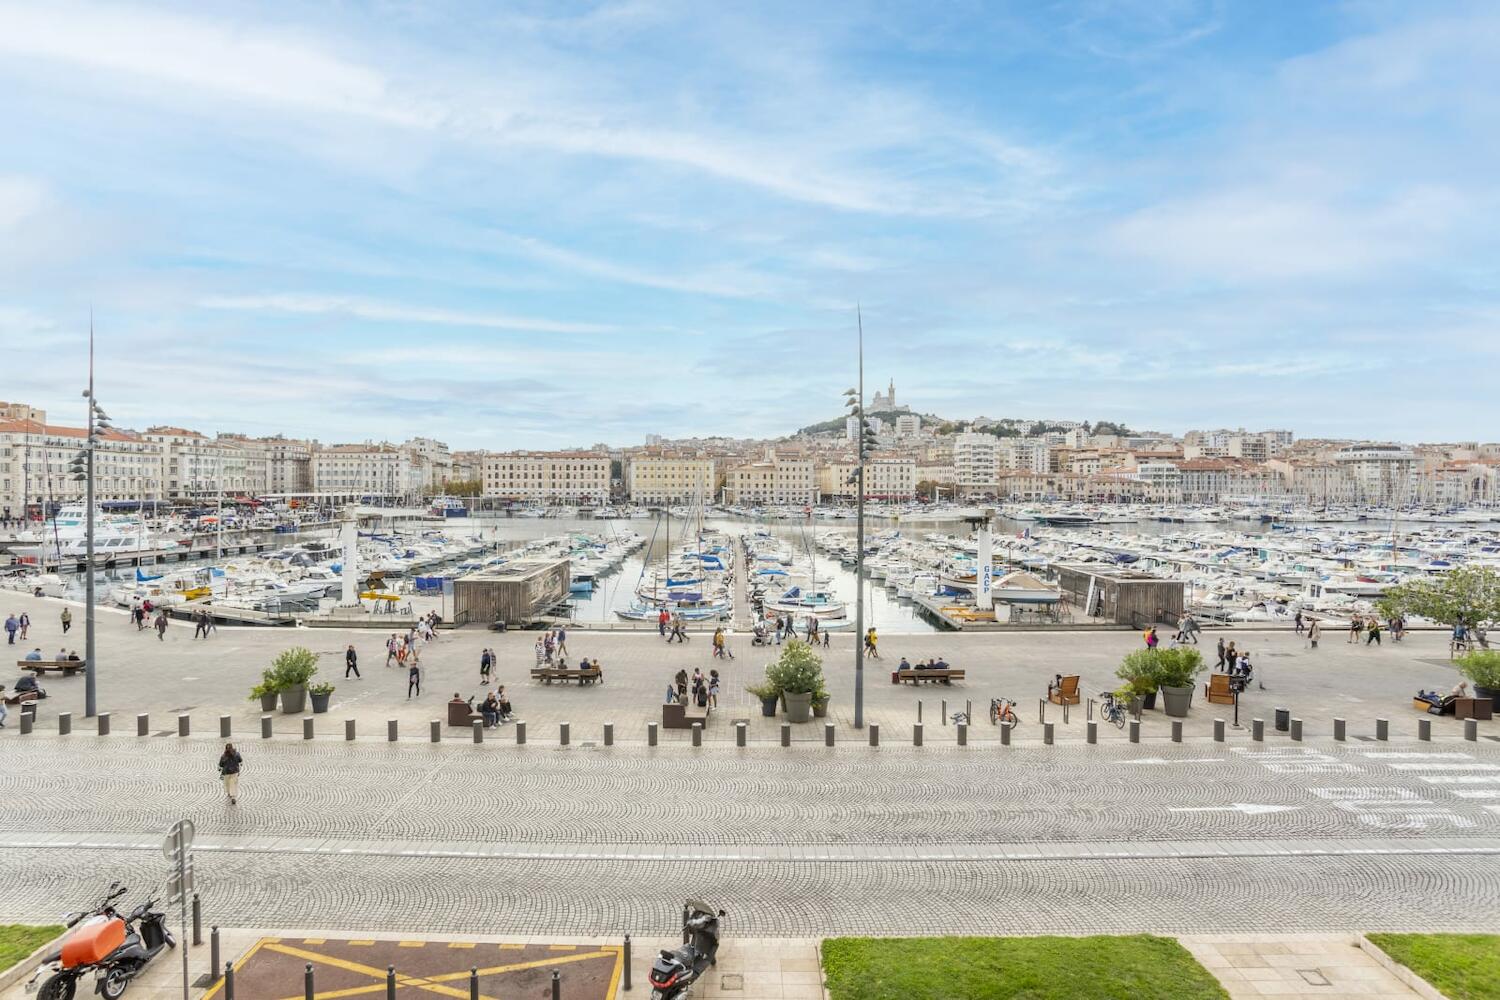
x: 387, y: 312
x: 20, y: 198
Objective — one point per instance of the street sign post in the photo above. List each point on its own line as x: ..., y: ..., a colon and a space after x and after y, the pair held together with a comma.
x: 175, y: 848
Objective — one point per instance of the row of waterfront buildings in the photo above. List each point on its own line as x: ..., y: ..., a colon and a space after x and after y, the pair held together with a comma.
x: 1018, y: 460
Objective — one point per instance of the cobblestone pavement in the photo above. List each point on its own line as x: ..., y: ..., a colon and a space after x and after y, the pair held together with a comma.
x: 797, y: 842
x: 210, y: 677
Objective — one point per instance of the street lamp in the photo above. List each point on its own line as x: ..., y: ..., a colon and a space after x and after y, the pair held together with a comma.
x: 82, y: 470
x: 854, y: 399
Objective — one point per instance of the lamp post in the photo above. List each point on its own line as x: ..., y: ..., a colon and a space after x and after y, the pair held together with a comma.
x: 82, y: 470
x: 854, y: 399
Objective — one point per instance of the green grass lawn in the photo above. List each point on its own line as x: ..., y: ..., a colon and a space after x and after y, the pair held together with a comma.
x: 1461, y: 966
x: 1139, y: 967
x: 19, y: 940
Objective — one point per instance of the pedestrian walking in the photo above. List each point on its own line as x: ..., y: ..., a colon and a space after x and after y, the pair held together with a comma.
x: 161, y: 626
x: 541, y: 652
x: 713, y: 688
x: 67, y: 620
x: 1222, y: 661
x: 11, y: 625
x: 1314, y: 633
x: 562, y: 643
x: 661, y: 623
x: 1372, y: 634
x: 25, y: 625
x: 1151, y: 639
x: 1356, y: 626
x: 390, y: 649
x: 1297, y: 622
x: 413, y: 680
x: 826, y: 634
x: 229, y: 772
x: 200, y: 624
x: 4, y: 713
x: 871, y: 641
x: 351, y: 662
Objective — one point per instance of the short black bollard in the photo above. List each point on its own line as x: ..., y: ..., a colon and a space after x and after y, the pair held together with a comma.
x: 307, y: 982
x: 1283, y: 719
x: 963, y: 734
x: 265, y: 727
x: 1176, y: 730
x: 828, y: 734
x: 1338, y: 730
x: 197, y: 920
x: 390, y: 730
x: 1135, y: 730
x: 1382, y: 729
x: 739, y: 734
x: 520, y: 733
x: 213, y: 950
x: 651, y: 733
x: 103, y: 723
x: 626, y: 983
x: 1297, y: 730
x: 390, y: 982
x: 1424, y: 730
x: 64, y: 723
x: 786, y: 734
x: 916, y: 735
x: 564, y: 733
x: 1218, y: 730
x: 1047, y: 733
x: 184, y: 725
x: 349, y: 729
x: 226, y: 726
x: 556, y: 985
x: 1471, y: 730
x: 477, y: 727
x: 228, y: 981
x: 26, y: 722
x: 1092, y: 732
x: 1005, y: 734
x: 143, y: 724
x: 435, y: 730
x: 307, y: 727
x: 697, y: 734
x: 874, y: 734
x: 1258, y: 730
x: 473, y: 982
x: 609, y: 734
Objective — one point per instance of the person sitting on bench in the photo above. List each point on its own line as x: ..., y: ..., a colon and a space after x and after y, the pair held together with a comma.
x: 903, y: 665
x: 939, y: 664
x: 62, y: 656
x: 73, y: 657
x: 34, y: 656
x: 504, y: 701
x: 490, y: 709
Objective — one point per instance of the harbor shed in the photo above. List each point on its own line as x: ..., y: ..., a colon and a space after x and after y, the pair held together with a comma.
x: 1119, y: 596
x: 512, y: 593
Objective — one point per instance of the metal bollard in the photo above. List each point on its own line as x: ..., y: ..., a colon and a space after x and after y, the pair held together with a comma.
x: 626, y: 983
x: 1283, y: 719
x: 1041, y: 710
x: 197, y: 920
x: 390, y: 730
x: 228, y: 981
x: 1005, y: 734
x: 1218, y: 730
x: 477, y: 726
x: 1258, y: 730
x: 1297, y: 730
x: 213, y: 950
x: 969, y: 709
x: 651, y: 730
x: 916, y: 735
x: 1091, y: 733
x: 349, y: 729
x: 1047, y: 733
x: 1176, y: 730
x: 473, y: 982
x: 64, y: 723
x: 556, y: 985
x: 874, y: 734
x: 919, y: 710
x: 786, y: 734
x: 697, y: 734
x: 435, y: 731
x: 828, y: 734
x: 609, y: 734
x: 565, y: 733
x: 1065, y: 713
x: 1424, y: 730
x: 1091, y: 710
x: 1135, y: 730
x: 307, y: 983
x: 103, y: 723
x: 520, y: 734
x: 307, y: 727
x: 739, y: 734
x: 1471, y: 730
x: 1382, y: 729
x: 265, y: 727
x: 390, y: 982
x: 184, y: 725
x: 944, y: 714
x: 963, y: 734
x: 26, y: 723
x: 143, y: 724
x: 1338, y: 730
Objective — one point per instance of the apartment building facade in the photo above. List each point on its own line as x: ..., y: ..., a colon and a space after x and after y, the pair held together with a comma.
x: 547, y: 477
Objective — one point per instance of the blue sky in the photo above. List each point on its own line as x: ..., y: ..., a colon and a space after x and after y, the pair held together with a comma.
x: 547, y: 224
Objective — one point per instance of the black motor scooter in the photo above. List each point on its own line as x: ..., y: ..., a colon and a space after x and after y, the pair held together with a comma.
x: 62, y: 975
x: 676, y: 970
x: 146, y: 935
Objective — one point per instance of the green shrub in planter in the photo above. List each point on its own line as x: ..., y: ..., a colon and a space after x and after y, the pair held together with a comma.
x: 1138, y: 671
x: 1482, y: 668
x: 1178, y: 668
x: 769, y: 694
x: 798, y: 675
x: 294, y: 667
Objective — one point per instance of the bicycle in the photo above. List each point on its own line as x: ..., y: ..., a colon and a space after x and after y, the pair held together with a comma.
x: 960, y: 718
x: 1111, y: 710
x: 1004, y: 710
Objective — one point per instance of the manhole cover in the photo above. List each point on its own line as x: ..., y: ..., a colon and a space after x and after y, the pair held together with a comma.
x: 732, y: 982
x: 1314, y: 977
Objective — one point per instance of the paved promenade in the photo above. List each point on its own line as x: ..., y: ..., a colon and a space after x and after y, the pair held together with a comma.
x: 799, y: 842
x: 207, y: 678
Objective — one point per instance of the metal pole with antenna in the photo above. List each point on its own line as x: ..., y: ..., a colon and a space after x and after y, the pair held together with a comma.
x: 90, y: 706
x: 859, y: 560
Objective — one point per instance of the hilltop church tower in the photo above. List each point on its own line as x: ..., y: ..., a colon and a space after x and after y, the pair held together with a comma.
x: 886, y: 401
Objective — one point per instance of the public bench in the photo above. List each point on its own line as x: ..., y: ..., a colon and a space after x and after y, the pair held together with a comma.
x: 550, y: 674
x: 946, y: 676
x: 68, y: 667
x: 677, y: 715
x: 1065, y: 692
x: 1218, y: 690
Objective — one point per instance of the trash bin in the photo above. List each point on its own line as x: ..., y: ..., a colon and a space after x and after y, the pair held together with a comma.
x: 1283, y: 719
x: 895, y: 677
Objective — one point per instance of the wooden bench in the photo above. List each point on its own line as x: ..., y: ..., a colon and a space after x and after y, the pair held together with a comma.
x: 550, y: 674
x: 947, y: 676
x: 676, y: 715
x: 68, y: 667
x: 1218, y: 690
x: 1065, y: 692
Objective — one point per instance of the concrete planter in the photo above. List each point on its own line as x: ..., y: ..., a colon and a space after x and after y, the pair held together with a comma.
x: 1176, y: 701
x: 820, y: 709
x: 769, y: 705
x: 268, y: 702
x: 1493, y: 694
x: 799, y: 706
x: 320, y: 702
x: 293, y: 700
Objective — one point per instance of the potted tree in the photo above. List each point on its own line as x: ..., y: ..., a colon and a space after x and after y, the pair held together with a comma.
x: 769, y: 695
x: 266, y: 692
x: 820, y: 700
x: 798, y: 674
x: 1138, y: 671
x: 293, y: 669
x: 320, y: 693
x: 1176, y: 674
x: 1482, y: 669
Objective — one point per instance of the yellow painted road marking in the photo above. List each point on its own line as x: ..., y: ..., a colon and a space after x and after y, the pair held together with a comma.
x: 368, y: 970
x: 562, y: 947
x: 540, y: 963
x: 412, y: 944
x: 314, y: 941
x: 238, y: 965
x: 361, y: 944
x: 460, y: 944
x: 511, y: 947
